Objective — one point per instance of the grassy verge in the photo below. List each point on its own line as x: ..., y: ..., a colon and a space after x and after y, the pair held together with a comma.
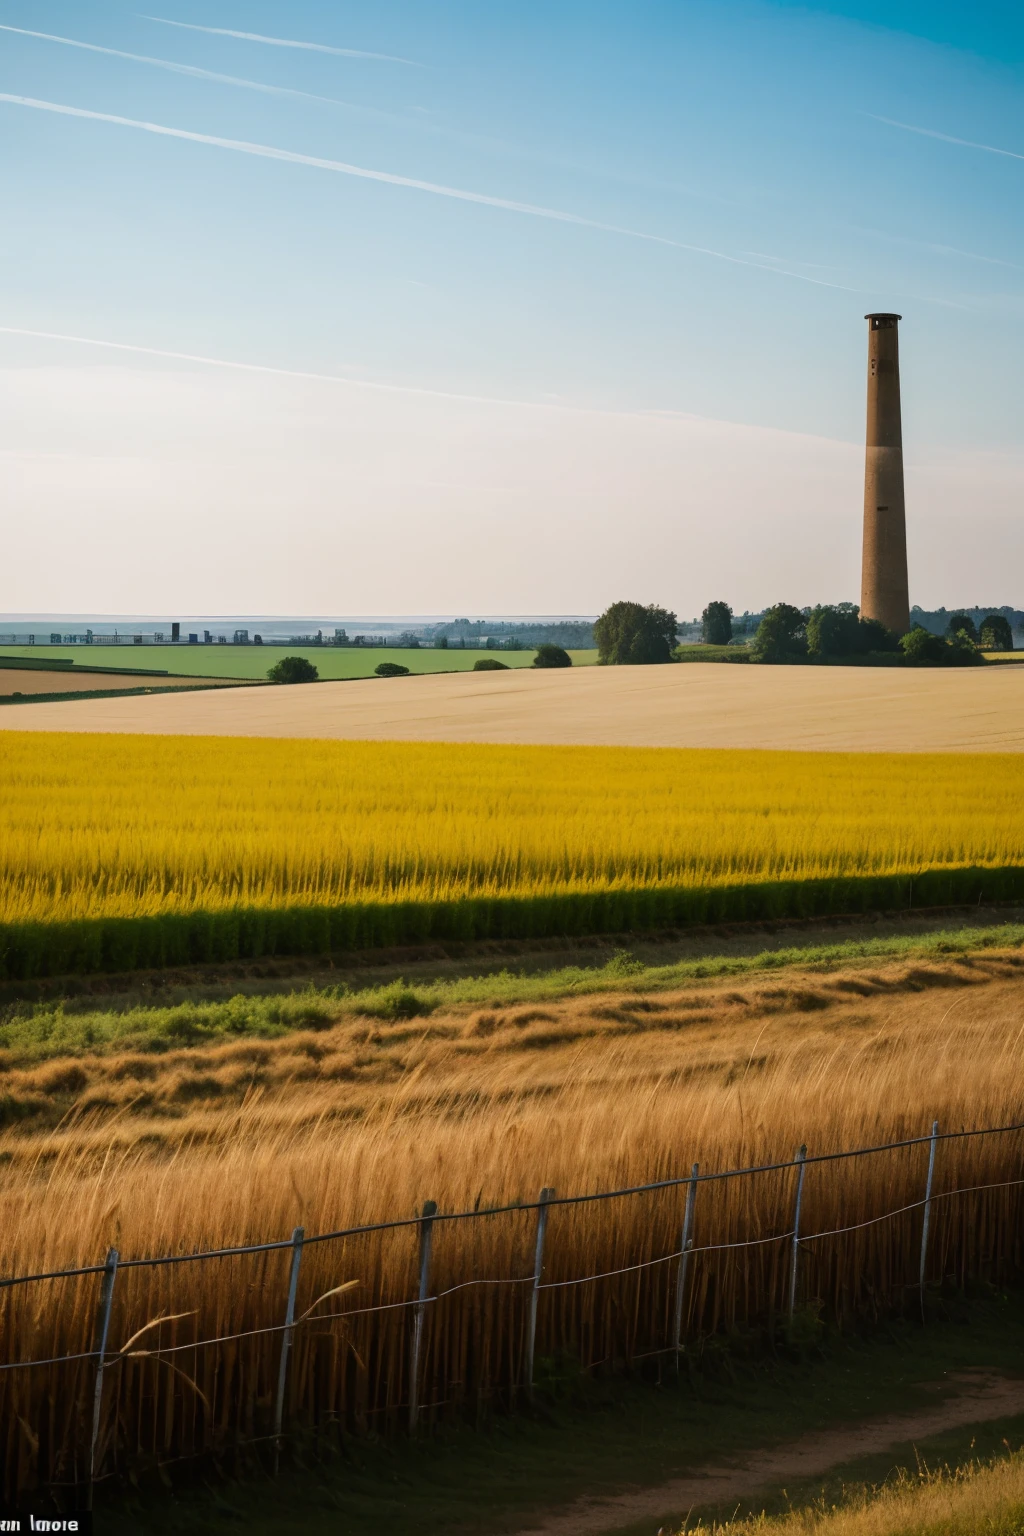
x: 113, y: 944
x: 31, y: 1032
x: 712, y: 653
x: 589, y: 1438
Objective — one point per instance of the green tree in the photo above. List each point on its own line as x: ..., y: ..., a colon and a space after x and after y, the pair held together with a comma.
x: 552, y: 656
x: 996, y: 634
x: 838, y: 630
x: 716, y: 624
x: 875, y: 637
x: 391, y: 669
x: 490, y: 664
x: 629, y: 634
x: 962, y: 624
x: 781, y: 635
x: 293, y: 669
x: 833, y: 630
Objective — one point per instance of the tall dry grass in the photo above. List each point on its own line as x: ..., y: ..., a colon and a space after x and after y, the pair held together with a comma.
x: 341, y: 1128
x: 960, y: 1501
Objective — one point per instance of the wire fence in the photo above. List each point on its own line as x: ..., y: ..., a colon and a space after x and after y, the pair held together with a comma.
x: 480, y: 1300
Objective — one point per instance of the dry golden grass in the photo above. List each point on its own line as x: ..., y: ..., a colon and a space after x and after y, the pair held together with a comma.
x: 827, y: 709
x: 965, y: 1501
x: 465, y: 1064
x: 362, y: 1122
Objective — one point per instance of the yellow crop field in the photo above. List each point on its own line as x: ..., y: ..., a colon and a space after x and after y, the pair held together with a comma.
x: 391, y: 841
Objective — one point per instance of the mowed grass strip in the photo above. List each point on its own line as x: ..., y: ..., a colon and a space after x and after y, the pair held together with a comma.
x: 130, y: 850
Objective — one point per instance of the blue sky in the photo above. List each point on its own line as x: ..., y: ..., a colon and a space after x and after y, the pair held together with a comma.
x: 720, y: 191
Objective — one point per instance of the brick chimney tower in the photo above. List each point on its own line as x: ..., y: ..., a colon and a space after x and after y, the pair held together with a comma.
x: 884, y: 593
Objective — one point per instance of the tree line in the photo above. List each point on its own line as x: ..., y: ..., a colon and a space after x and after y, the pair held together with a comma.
x: 631, y: 633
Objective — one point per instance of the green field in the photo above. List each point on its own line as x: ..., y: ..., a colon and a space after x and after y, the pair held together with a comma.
x: 253, y: 660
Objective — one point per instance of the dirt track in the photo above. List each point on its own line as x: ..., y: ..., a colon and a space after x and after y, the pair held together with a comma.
x: 809, y: 708
x: 29, y: 680
x: 977, y: 1396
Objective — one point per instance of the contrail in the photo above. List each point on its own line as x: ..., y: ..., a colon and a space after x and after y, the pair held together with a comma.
x: 931, y: 245
x: 317, y: 378
x: 291, y: 157
x: 947, y: 138
x: 192, y: 70
x: 278, y: 42
x: 283, y: 373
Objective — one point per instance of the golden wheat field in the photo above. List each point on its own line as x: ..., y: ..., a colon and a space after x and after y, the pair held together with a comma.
x: 813, y: 709
x: 136, y: 826
x: 364, y: 1120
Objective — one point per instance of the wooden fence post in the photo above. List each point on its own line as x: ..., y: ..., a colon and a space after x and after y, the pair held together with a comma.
x: 926, y: 1223
x: 426, y: 1230
x: 102, y: 1333
x: 801, y: 1161
x: 684, y: 1260
x: 298, y: 1238
x: 538, y: 1269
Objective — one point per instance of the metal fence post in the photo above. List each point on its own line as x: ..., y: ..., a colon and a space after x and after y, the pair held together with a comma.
x: 801, y: 1161
x: 926, y: 1223
x: 538, y: 1268
x: 102, y: 1332
x: 298, y: 1237
x: 684, y: 1260
x: 426, y: 1231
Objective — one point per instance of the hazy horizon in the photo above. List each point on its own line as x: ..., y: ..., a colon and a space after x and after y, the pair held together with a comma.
x: 543, y: 308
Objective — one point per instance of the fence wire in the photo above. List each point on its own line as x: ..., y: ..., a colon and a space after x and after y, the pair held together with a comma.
x: 548, y: 1200
x: 282, y: 1243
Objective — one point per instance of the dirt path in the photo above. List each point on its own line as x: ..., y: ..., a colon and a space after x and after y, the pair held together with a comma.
x: 33, y: 680
x: 977, y: 1396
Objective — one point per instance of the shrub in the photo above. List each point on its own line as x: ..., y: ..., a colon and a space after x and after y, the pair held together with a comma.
x: 922, y: 649
x: 781, y: 635
x: 552, y: 656
x: 963, y: 653
x: 293, y: 669
x: 490, y: 664
x: 629, y: 634
x: 397, y: 1001
x: 716, y: 624
x: 391, y: 669
x: 996, y: 634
